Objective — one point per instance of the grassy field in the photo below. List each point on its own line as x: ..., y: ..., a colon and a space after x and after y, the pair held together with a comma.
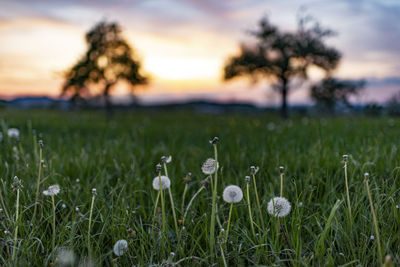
x: 118, y: 157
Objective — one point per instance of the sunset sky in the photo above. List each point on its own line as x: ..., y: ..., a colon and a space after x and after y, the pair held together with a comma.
x: 183, y: 44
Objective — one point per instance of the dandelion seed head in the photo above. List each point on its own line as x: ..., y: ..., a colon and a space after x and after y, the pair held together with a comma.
x: 279, y: 207
x: 76, y: 209
x: 372, y: 237
x: 247, y: 179
x: 281, y: 169
x: 214, y: 140
x: 254, y: 170
x: 209, y: 166
x: 166, y: 160
x: 120, y: 247
x: 158, y: 167
x: 52, y: 190
x: 232, y: 194
x: 345, y: 158
x: 94, y: 191
x: 66, y: 257
x: 64, y: 206
x: 13, y: 133
x: 165, y: 182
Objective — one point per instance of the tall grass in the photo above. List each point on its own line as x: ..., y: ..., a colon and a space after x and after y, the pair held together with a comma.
x: 117, y: 156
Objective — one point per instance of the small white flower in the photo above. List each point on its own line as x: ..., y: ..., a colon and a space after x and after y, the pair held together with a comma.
x: 13, y: 133
x: 52, y: 190
x: 372, y: 237
x: 232, y: 194
x: 300, y: 204
x: 77, y: 180
x: 77, y: 209
x: 279, y: 207
x: 63, y: 206
x: 209, y: 166
x: 120, y: 247
x: 165, y: 182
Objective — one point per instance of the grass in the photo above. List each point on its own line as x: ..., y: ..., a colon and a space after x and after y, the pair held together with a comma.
x: 118, y: 157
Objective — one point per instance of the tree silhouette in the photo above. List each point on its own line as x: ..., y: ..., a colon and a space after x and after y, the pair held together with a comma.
x: 281, y: 56
x: 109, y: 59
x: 331, y: 92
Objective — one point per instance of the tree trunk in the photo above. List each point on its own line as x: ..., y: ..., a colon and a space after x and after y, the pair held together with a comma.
x: 284, y: 92
x: 107, y: 100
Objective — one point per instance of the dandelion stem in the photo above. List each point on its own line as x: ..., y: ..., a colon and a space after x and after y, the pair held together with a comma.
x: 183, y: 197
x: 378, y: 240
x: 258, y: 202
x: 281, y: 184
x: 162, y: 203
x: 249, y: 206
x: 53, y: 243
x: 190, y: 203
x: 38, y: 181
x: 90, y: 220
x: 214, y: 198
x: 172, y: 201
x: 347, y: 194
x: 16, y: 226
x: 229, y: 222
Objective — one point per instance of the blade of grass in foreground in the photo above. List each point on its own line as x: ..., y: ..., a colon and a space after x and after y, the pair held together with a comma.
x: 320, y: 247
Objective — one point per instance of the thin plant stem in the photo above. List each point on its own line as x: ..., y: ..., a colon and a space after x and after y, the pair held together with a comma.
x: 162, y: 203
x: 214, y: 198
x: 229, y: 222
x: 281, y: 184
x: 90, y: 220
x: 249, y: 206
x: 378, y: 240
x: 53, y: 243
x: 258, y: 202
x: 16, y: 226
x: 38, y: 182
x: 183, y: 197
x: 172, y: 201
x: 190, y: 203
x: 348, y: 195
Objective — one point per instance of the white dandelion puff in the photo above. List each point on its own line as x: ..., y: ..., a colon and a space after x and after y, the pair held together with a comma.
x: 232, y: 194
x: 165, y: 182
x: 120, y: 247
x: 52, y: 190
x: 209, y: 166
x: 13, y: 133
x: 279, y: 207
x: 66, y: 257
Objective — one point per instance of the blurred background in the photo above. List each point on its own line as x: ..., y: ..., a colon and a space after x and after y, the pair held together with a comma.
x: 335, y: 55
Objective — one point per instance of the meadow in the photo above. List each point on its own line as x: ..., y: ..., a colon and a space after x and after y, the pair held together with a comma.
x: 118, y: 156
